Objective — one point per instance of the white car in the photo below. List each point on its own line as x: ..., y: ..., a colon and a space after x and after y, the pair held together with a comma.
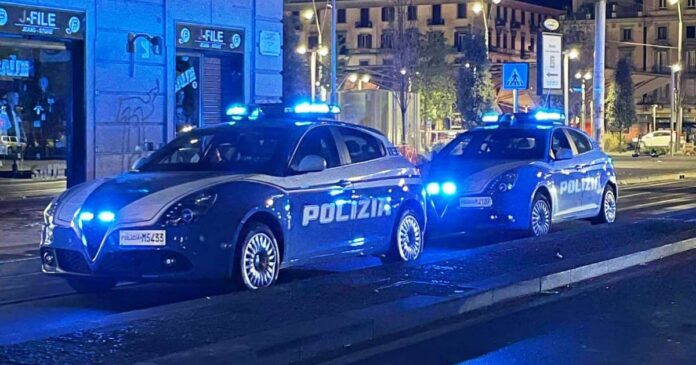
x: 657, y: 139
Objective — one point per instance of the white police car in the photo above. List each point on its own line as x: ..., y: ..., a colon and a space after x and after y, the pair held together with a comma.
x: 240, y: 201
x: 523, y: 172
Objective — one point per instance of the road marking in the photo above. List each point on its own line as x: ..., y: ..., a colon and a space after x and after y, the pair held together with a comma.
x: 646, y: 205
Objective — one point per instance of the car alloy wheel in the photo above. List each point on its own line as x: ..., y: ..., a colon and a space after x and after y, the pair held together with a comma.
x: 409, y: 238
x: 609, y: 206
x: 541, y: 217
x: 260, y: 260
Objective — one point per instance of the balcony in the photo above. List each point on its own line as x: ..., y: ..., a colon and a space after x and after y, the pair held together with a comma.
x: 515, y: 24
x: 525, y: 55
x: 660, y: 69
x: 500, y: 22
x: 436, y: 21
x: 363, y: 24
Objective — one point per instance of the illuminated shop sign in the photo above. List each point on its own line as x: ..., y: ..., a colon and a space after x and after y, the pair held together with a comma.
x: 30, y: 20
x: 13, y: 67
x: 209, y: 38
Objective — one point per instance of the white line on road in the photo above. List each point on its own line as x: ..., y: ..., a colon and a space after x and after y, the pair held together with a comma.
x: 646, y: 205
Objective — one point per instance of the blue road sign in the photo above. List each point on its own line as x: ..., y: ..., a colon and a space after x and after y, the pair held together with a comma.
x: 515, y: 76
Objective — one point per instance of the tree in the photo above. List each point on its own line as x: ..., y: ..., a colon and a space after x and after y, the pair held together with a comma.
x: 295, y: 70
x: 475, y: 90
x: 434, y: 77
x: 610, y: 105
x: 402, y: 45
x: 624, y: 106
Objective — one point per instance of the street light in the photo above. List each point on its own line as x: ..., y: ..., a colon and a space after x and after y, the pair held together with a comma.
x: 676, y: 68
x: 359, y: 79
x: 321, y: 50
x: 677, y: 82
x: 480, y: 8
x: 568, y: 55
x: 583, y: 87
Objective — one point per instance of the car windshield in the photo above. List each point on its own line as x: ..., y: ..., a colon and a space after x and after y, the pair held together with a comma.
x: 504, y: 144
x: 263, y: 150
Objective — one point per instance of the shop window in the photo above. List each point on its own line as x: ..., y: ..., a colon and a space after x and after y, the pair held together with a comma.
x: 187, y: 89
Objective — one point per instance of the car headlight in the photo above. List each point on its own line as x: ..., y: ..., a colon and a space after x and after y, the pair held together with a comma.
x: 189, y: 209
x: 505, y: 182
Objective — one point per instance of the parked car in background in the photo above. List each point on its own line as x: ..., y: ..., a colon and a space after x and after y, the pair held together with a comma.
x: 656, y: 139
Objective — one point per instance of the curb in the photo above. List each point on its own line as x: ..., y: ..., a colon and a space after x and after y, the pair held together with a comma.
x: 676, y: 176
x: 306, y: 340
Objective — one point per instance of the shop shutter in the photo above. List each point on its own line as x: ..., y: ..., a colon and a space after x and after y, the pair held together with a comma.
x: 211, y: 91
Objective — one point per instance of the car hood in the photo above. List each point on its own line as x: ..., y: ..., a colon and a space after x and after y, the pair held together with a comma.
x: 137, y: 197
x: 472, y: 176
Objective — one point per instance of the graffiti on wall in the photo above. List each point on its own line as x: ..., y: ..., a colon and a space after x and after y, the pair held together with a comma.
x: 137, y: 109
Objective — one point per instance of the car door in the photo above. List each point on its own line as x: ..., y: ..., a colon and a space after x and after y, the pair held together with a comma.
x: 591, y: 166
x: 319, y: 201
x: 565, y: 176
x: 374, y: 181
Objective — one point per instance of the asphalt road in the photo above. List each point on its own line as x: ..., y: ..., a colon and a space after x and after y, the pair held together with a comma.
x: 34, y: 306
x: 644, y: 316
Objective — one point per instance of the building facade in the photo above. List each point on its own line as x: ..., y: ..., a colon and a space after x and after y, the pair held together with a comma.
x: 363, y: 27
x: 98, y: 83
x: 646, y: 33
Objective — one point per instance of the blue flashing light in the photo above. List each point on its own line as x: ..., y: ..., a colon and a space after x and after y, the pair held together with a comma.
x: 433, y: 188
x: 86, y: 216
x: 237, y: 111
x: 106, y: 216
x: 316, y: 108
x: 449, y: 188
x: 543, y: 115
x: 490, y: 118
x: 302, y: 124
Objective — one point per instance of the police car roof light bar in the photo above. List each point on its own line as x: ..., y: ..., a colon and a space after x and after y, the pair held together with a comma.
x: 490, y: 117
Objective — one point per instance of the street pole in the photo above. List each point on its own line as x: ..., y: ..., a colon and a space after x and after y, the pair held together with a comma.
x: 598, y: 83
x: 654, y: 115
x: 673, y: 106
x: 516, y: 101
x: 313, y: 76
x: 583, y: 115
x: 678, y: 79
x: 334, y: 54
x: 566, y: 87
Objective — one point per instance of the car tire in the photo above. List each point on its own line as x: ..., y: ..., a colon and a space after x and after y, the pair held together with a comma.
x: 607, y: 213
x: 407, y: 238
x: 88, y: 285
x: 258, y: 258
x: 540, y: 216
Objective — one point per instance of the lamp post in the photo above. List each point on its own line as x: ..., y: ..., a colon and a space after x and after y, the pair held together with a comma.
x: 677, y: 84
x: 321, y: 51
x: 654, y: 117
x: 568, y: 55
x: 311, y: 16
x: 583, y: 87
x: 676, y: 68
x: 480, y: 8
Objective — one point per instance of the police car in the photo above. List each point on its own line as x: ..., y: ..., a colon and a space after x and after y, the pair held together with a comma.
x: 521, y: 172
x: 240, y: 201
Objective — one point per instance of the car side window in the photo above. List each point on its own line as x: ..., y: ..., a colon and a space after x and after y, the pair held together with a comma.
x: 581, y: 142
x: 362, y: 146
x: 319, y: 142
x: 558, y: 141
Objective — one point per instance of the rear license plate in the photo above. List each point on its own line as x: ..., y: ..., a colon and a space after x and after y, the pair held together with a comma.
x: 143, y: 238
x: 477, y: 202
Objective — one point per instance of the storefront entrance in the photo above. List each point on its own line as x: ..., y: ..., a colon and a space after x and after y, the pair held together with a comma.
x: 209, y: 75
x: 42, y: 117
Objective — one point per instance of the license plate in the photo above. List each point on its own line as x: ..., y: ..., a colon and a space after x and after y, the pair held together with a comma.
x: 143, y: 238
x: 478, y: 202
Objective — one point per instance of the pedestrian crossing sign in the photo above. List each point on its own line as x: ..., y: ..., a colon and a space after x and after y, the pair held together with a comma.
x: 516, y: 76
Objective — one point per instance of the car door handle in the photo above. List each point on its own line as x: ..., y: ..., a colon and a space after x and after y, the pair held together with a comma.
x: 345, y: 184
x: 579, y: 167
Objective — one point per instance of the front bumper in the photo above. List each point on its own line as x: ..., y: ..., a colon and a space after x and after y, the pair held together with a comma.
x: 448, y: 217
x: 188, y: 255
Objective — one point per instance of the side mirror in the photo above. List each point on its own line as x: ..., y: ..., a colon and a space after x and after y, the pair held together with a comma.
x: 138, y: 164
x: 311, y: 163
x: 563, y: 154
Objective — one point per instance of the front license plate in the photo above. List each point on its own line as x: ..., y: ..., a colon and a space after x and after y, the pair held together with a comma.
x: 143, y: 238
x: 477, y: 202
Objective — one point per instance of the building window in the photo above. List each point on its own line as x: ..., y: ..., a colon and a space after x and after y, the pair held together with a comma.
x: 387, y: 39
x: 437, y: 15
x: 523, y: 43
x: 461, y: 11
x: 499, y: 12
x: 341, y: 43
x: 364, y: 16
x: 460, y: 39
x: 388, y: 14
x: 514, y: 15
x: 524, y: 17
x: 691, y: 3
x: 505, y: 41
x: 513, y: 39
x: 365, y: 41
x: 691, y: 60
x: 662, y: 33
x: 412, y: 12
x: 691, y: 31
x: 497, y: 39
x: 341, y: 15
x: 364, y: 63
x: 532, y: 42
x: 661, y: 61
x: 627, y: 34
x: 662, y: 4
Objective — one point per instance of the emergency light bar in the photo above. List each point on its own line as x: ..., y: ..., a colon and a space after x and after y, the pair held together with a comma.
x: 490, y: 118
x: 238, y: 112
x: 543, y: 115
x: 314, y: 108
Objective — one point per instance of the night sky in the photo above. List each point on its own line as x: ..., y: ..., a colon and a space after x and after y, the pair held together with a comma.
x: 560, y: 4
